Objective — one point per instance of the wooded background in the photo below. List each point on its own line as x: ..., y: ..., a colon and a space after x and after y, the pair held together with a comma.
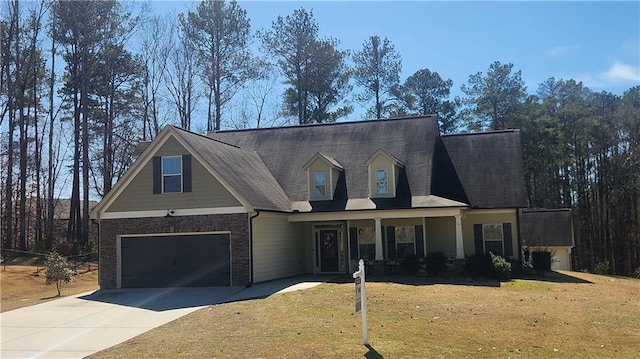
x: 82, y: 82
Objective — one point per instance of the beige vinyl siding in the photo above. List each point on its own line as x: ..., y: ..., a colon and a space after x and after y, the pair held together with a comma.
x: 441, y: 235
x: 378, y: 163
x: 307, y: 238
x: 398, y: 222
x: 362, y: 223
x: 207, y: 192
x: 278, y: 247
x: 488, y: 217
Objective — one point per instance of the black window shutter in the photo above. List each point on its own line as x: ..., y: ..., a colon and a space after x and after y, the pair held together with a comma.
x: 391, y: 243
x: 508, y: 243
x: 186, y: 173
x: 477, y: 238
x: 419, y: 242
x: 353, y: 243
x: 157, y: 175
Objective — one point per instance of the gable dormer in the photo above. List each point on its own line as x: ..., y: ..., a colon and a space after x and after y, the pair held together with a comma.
x: 383, y: 169
x: 322, y: 177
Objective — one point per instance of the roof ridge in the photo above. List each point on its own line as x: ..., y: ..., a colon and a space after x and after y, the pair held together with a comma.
x: 213, y: 139
x: 327, y: 124
x: 492, y: 132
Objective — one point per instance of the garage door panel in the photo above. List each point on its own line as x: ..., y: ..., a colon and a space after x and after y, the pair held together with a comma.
x: 176, y: 260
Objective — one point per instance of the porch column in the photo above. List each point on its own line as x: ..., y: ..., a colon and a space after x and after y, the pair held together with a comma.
x: 459, y: 241
x: 379, y: 248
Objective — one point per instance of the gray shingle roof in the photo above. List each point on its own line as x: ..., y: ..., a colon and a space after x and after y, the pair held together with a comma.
x: 489, y: 166
x: 285, y: 151
x: 266, y: 167
x: 242, y: 169
x: 547, y: 228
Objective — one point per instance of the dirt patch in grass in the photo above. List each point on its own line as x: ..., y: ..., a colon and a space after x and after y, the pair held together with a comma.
x: 598, y: 316
x: 25, y: 285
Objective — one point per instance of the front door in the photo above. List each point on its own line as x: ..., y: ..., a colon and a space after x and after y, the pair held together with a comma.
x: 329, y: 250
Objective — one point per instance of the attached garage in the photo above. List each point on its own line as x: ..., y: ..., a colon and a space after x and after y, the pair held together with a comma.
x: 175, y: 260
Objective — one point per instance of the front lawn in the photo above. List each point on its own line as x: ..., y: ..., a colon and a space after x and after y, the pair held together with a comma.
x: 597, y: 317
x: 23, y: 285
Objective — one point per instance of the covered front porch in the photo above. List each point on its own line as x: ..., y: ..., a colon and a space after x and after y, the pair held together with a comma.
x: 381, y: 238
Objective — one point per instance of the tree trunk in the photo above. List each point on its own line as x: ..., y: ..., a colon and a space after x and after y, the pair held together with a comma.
x: 50, y: 167
x: 84, y: 103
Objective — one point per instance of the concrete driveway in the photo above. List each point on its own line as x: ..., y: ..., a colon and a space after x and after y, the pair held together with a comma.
x: 78, y: 326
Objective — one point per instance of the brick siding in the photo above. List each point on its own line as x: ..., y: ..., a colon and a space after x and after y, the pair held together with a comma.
x: 237, y: 224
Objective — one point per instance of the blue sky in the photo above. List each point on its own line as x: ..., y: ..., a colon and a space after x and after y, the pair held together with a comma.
x: 597, y: 43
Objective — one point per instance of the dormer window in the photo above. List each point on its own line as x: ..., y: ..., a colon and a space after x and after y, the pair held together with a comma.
x: 382, y: 181
x: 322, y: 176
x: 320, y: 185
x: 383, y: 170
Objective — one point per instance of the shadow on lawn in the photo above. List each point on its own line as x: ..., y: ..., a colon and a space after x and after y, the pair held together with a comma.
x: 460, y: 279
x: 372, y: 353
x: 424, y: 280
x: 553, y: 277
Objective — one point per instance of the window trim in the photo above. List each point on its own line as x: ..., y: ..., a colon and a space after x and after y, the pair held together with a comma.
x: 485, y: 240
x: 315, y: 185
x: 163, y: 175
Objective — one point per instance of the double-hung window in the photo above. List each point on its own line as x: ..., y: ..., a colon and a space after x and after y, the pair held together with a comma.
x: 319, y: 185
x: 172, y: 174
x: 382, y: 181
x: 493, y: 237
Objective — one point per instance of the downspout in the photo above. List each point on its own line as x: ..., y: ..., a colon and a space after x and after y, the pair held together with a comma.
x: 251, y: 248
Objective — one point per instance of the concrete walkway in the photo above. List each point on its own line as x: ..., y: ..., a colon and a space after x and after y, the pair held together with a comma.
x: 78, y: 326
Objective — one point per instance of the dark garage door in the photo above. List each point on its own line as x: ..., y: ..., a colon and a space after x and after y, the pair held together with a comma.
x: 199, y: 260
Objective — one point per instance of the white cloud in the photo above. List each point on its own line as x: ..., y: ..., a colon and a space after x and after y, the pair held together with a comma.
x: 619, y: 72
x: 563, y: 49
x: 617, y: 75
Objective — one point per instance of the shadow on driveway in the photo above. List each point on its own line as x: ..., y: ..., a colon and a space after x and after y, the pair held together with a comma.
x: 162, y: 299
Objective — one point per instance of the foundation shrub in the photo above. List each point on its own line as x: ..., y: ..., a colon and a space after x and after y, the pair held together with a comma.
x: 410, y: 265
x: 488, y: 266
x: 435, y: 263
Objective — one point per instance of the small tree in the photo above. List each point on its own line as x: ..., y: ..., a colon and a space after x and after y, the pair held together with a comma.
x: 58, y: 270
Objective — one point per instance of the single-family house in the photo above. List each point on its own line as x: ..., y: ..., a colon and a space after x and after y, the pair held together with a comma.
x: 244, y: 206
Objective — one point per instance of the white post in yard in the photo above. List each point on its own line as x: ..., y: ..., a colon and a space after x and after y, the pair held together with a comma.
x: 361, y: 300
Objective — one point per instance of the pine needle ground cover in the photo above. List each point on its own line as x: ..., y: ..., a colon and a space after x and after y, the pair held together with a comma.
x: 25, y: 285
x: 590, y: 316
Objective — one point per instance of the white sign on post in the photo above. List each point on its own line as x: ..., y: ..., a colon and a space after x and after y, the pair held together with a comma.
x: 361, y: 300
